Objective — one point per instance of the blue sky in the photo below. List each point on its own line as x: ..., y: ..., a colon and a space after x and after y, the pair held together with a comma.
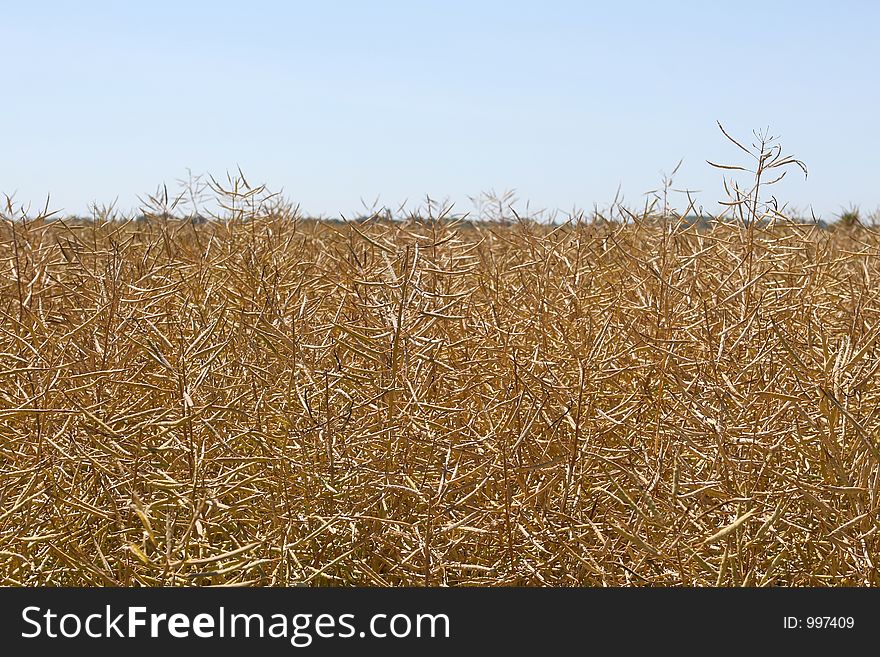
x: 341, y: 101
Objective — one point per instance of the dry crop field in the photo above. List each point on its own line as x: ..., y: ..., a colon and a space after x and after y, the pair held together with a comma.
x: 273, y: 401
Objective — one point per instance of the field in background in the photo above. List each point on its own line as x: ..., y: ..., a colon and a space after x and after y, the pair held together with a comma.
x: 272, y: 401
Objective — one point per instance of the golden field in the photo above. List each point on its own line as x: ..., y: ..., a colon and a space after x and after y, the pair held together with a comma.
x: 274, y: 401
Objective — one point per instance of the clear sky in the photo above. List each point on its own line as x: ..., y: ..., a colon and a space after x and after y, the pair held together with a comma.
x: 341, y: 101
